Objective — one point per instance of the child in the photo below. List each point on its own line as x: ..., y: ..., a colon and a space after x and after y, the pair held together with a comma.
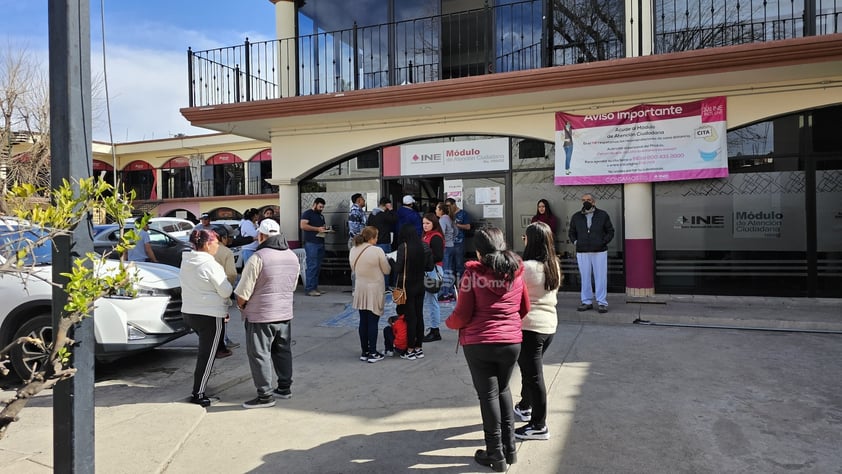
x: 395, y: 336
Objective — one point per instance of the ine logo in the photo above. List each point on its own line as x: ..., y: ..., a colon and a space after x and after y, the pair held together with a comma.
x: 699, y: 222
x: 426, y: 157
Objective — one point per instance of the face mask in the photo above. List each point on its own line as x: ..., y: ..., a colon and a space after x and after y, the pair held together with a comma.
x: 587, y: 206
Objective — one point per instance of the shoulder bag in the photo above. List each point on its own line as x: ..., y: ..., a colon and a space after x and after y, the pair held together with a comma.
x: 399, y: 293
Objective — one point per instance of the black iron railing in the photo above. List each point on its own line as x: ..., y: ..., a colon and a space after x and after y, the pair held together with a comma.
x: 509, y: 37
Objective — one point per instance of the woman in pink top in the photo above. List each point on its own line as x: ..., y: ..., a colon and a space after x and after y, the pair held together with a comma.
x: 492, y: 301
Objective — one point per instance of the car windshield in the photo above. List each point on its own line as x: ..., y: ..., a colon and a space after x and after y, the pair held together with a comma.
x: 12, y: 241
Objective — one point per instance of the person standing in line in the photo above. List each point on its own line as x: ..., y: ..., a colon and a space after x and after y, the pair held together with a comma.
x: 461, y: 223
x: 205, y: 298
x: 142, y: 251
x: 544, y: 214
x: 225, y: 257
x: 408, y: 215
x: 369, y: 264
x: 312, y: 225
x: 417, y: 259
x: 591, y: 231
x: 356, y: 218
x: 384, y: 219
x: 434, y: 238
x: 492, y: 301
x: 449, y: 231
x: 248, y: 229
x: 264, y: 296
x: 542, y: 276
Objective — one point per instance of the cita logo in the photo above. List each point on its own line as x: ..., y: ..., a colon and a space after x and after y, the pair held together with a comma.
x: 426, y: 157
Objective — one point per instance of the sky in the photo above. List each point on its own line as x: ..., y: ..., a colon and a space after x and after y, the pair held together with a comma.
x: 146, y: 45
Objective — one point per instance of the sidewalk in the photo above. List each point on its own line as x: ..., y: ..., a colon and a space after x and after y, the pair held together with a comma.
x: 623, y: 398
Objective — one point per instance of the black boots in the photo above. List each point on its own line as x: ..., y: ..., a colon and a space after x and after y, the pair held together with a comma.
x: 495, y: 461
x: 433, y: 335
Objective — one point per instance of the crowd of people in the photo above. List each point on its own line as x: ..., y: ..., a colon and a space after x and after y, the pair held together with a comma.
x: 505, y: 304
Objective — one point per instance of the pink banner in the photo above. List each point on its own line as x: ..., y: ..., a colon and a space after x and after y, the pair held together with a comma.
x: 646, y: 143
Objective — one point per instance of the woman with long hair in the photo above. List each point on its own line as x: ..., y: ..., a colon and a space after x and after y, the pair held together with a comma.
x: 411, y: 256
x: 434, y: 238
x: 542, y: 275
x: 492, y: 301
x: 544, y: 214
x: 369, y: 264
x: 205, y: 297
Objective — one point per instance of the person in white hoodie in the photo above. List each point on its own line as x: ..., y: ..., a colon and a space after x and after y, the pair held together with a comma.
x: 542, y: 276
x: 205, y: 297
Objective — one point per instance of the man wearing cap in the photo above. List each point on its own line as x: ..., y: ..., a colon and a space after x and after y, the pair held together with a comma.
x: 264, y: 296
x: 408, y: 215
x: 204, y: 222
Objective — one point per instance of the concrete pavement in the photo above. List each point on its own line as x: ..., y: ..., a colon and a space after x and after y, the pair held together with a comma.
x: 623, y: 398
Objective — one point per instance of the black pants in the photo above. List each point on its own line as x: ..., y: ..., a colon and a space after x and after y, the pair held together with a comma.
x: 414, y: 317
x: 491, y: 367
x: 209, y: 330
x: 533, y: 392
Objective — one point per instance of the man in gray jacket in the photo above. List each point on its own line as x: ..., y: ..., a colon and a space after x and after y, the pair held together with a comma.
x: 264, y: 296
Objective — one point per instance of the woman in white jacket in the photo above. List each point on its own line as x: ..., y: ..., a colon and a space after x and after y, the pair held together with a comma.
x: 542, y: 276
x: 205, y: 297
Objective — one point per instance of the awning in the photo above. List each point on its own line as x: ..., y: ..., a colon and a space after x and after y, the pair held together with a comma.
x: 223, y: 159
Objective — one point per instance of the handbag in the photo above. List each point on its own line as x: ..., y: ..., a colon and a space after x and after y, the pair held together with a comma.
x: 399, y: 294
x: 433, y: 280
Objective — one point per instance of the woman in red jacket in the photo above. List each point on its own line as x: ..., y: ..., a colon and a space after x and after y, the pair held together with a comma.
x: 492, y: 301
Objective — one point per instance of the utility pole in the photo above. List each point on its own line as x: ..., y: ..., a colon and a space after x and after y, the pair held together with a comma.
x: 72, y: 159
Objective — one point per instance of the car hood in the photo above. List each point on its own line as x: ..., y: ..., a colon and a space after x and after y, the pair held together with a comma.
x: 150, y: 275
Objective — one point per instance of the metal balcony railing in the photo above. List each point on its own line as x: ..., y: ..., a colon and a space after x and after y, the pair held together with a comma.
x: 514, y: 36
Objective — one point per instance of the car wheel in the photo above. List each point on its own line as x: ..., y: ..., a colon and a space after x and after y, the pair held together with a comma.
x: 28, y: 357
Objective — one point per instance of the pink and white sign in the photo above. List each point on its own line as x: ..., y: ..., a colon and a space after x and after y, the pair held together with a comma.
x: 447, y: 157
x: 646, y: 143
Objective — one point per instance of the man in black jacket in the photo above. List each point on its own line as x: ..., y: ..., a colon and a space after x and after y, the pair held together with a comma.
x: 591, y: 231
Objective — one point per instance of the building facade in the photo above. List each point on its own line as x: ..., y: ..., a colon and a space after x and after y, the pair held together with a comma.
x: 342, y: 96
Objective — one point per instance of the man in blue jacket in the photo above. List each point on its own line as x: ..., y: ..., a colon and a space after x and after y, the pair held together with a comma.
x: 591, y: 231
x: 408, y: 215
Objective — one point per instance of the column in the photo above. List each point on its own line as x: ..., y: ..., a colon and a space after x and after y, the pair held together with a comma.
x: 285, y: 13
x: 639, y: 249
x: 289, y: 215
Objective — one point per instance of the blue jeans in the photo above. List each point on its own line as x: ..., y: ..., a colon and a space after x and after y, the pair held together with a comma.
x: 448, y: 277
x: 315, y: 254
x: 368, y: 331
x: 431, y: 301
x: 457, y: 264
x: 568, y: 154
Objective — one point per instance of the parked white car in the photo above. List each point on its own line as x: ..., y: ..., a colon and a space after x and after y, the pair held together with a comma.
x: 122, y: 325
x: 178, y: 228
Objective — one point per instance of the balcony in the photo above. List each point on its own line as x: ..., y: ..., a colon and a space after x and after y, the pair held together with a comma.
x: 510, y: 36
